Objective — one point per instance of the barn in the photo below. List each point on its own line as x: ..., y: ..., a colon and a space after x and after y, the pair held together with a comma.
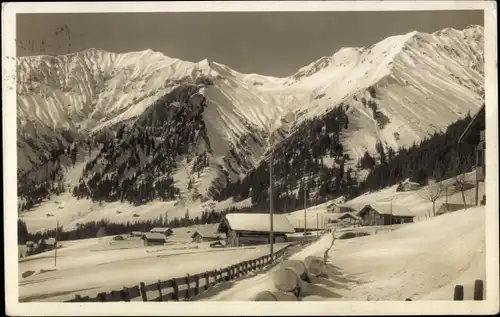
x: 384, y: 214
x: 163, y: 230
x: 349, y: 218
x: 253, y: 228
x: 447, y: 207
x: 46, y: 244
x: 153, y: 238
x: 201, y: 235
x: 340, y: 208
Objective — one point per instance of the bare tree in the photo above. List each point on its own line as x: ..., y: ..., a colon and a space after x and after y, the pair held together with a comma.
x: 433, y: 192
x: 461, y: 183
x: 325, y: 255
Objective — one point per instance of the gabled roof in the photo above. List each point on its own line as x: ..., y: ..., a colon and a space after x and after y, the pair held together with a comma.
x: 348, y: 215
x: 258, y: 222
x: 160, y: 229
x: 478, y: 120
x: 386, y: 209
x: 154, y: 236
x: 207, y: 234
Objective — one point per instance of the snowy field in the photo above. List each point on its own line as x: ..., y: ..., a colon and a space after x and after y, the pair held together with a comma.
x: 421, y: 261
x: 70, y: 211
x: 90, y: 266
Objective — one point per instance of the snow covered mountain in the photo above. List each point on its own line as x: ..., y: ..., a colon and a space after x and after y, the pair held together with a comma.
x: 395, y: 92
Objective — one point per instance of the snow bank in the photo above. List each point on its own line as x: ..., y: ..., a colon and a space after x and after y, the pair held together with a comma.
x: 420, y: 261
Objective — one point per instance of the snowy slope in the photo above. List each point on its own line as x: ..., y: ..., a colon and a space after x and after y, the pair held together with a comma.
x: 421, y: 261
x: 419, y: 83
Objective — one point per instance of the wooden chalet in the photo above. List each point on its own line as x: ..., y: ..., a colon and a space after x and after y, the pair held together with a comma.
x: 253, y: 228
x: 474, y: 134
x: 153, y: 238
x: 384, y: 214
x: 206, y: 235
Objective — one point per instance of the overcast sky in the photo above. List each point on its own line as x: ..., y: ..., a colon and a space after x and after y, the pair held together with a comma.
x: 268, y: 43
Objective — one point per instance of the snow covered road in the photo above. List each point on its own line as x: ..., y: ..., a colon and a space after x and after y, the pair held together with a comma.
x: 424, y: 260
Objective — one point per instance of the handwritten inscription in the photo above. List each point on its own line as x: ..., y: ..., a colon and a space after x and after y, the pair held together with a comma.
x: 59, y: 45
x: 62, y: 34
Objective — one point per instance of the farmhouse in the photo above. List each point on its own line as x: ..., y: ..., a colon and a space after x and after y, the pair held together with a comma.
x: 447, y: 207
x: 153, y: 238
x: 201, y: 235
x: 384, y: 214
x: 474, y: 135
x: 340, y: 208
x: 407, y: 185
x: 349, y: 218
x: 253, y: 228
x: 163, y: 230
x: 46, y: 244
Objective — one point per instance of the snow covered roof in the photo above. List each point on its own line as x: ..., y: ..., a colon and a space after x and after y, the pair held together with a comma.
x: 207, y: 234
x: 160, y: 229
x: 258, y: 222
x: 48, y: 241
x: 386, y: 209
x: 348, y: 215
x: 154, y: 236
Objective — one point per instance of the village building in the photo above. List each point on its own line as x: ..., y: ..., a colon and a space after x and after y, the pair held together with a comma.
x: 447, y: 207
x: 47, y: 244
x: 474, y: 134
x: 153, y: 238
x: 340, y: 208
x: 163, y: 230
x: 201, y: 235
x: 253, y: 228
x: 407, y: 185
x: 349, y: 219
x: 384, y: 214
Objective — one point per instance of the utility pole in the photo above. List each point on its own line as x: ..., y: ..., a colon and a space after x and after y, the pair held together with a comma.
x: 305, y: 211
x: 55, y: 244
x: 271, y: 233
x: 391, y: 211
x: 317, y: 225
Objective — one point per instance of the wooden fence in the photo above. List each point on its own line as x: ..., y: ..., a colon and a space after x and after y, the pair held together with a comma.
x: 190, y: 286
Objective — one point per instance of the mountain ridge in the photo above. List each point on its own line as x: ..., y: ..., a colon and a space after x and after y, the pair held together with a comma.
x: 394, y: 92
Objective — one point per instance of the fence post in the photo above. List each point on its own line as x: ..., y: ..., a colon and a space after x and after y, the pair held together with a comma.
x: 125, y: 295
x: 207, y: 280
x: 478, y: 290
x: 197, y: 289
x: 158, y: 287
x: 188, y: 285
x: 458, y: 293
x: 144, y: 296
x: 175, y: 286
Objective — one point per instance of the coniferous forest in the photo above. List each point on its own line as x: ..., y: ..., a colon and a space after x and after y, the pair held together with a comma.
x: 299, y: 163
x: 137, y: 165
x: 310, y: 166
